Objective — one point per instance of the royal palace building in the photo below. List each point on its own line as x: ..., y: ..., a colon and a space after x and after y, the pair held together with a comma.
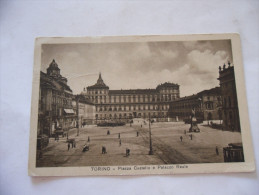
x: 131, y: 103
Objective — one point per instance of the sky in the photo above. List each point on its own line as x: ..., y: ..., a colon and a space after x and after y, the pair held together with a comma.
x: 140, y: 65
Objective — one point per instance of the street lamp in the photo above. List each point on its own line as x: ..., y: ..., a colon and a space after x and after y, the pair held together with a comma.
x: 77, y: 114
x: 150, y: 139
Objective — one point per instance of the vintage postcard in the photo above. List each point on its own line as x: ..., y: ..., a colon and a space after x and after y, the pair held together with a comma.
x: 139, y: 105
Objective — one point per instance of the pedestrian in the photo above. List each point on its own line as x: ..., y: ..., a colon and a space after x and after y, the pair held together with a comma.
x: 108, y: 132
x: 184, y: 132
x: 68, y: 146
x: 102, y: 149
x: 74, y: 144
x: 191, y: 136
x: 88, y: 139
x: 217, y: 150
x: 127, y: 152
x: 137, y: 133
x: 120, y: 142
x: 119, y: 136
x: 181, y: 138
x: 141, y: 125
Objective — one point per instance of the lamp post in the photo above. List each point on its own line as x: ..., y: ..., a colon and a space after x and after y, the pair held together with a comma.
x: 77, y: 115
x: 150, y: 139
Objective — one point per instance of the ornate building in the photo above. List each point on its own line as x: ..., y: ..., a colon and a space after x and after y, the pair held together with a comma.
x: 132, y: 103
x: 207, y: 105
x: 55, y: 102
x: 229, y: 96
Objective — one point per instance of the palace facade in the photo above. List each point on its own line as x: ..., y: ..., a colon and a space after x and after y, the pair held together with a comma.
x: 131, y: 103
x: 229, y: 96
x: 207, y: 106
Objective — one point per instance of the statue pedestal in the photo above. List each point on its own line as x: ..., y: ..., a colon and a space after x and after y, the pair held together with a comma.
x: 194, y: 126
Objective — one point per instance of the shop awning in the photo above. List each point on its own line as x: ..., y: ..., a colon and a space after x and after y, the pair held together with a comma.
x: 69, y: 111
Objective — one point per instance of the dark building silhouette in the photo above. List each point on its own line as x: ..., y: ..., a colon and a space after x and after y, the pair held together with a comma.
x: 55, y: 102
x: 230, y: 111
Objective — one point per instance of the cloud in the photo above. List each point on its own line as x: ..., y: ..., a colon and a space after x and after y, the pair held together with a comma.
x: 192, y: 64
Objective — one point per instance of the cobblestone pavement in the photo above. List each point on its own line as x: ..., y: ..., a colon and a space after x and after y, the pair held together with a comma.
x: 167, y: 146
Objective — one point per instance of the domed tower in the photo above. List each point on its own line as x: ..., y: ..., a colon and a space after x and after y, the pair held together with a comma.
x: 98, y: 92
x: 53, y: 69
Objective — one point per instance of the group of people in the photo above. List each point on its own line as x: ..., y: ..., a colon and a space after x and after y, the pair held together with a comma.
x: 104, y: 150
x: 181, y: 137
x: 127, y: 152
x: 85, y: 148
x: 73, y: 144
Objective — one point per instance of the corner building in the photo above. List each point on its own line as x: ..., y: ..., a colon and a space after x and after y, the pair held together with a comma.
x: 229, y: 96
x: 55, y: 102
x: 132, y: 103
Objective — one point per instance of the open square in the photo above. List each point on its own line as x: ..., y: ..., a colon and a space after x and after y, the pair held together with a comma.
x: 166, y: 143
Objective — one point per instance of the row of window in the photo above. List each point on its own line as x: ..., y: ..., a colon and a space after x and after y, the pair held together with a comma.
x: 106, y: 91
x: 120, y: 99
x: 129, y: 115
x: 130, y: 107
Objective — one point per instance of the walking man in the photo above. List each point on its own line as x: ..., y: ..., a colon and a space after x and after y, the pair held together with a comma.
x: 191, y: 136
x: 127, y: 152
x: 181, y: 138
x: 120, y: 142
x: 119, y: 136
x: 88, y: 139
x: 137, y: 133
x: 217, y: 150
x: 68, y: 146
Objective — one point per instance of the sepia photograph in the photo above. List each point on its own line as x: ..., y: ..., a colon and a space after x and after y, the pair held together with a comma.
x: 139, y: 105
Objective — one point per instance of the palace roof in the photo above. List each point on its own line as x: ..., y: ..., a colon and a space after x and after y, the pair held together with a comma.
x: 167, y: 84
x: 53, y: 65
x: 54, y: 83
x: 99, y: 85
x: 133, y: 91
